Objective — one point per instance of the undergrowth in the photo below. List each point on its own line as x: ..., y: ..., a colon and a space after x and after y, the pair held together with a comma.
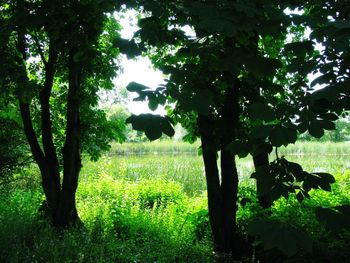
x: 133, y: 210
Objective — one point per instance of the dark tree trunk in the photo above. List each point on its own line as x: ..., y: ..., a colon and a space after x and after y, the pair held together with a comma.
x: 229, y: 174
x: 260, y: 161
x: 71, y: 152
x: 39, y: 156
x: 60, y: 202
x: 52, y: 185
x: 229, y: 189
x: 222, y: 194
x: 213, y: 183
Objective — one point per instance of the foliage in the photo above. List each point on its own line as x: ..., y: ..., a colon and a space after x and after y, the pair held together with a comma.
x: 340, y: 134
x: 118, y: 228
x: 14, y: 153
x: 281, y: 177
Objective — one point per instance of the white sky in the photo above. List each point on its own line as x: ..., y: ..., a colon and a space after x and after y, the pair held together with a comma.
x: 139, y: 70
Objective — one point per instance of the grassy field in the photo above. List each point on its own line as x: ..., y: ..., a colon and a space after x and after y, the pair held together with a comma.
x: 147, y: 203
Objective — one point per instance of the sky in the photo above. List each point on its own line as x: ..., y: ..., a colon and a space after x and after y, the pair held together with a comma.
x: 139, y: 70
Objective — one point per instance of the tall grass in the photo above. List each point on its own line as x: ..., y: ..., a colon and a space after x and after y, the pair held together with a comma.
x: 178, y: 147
x: 175, y: 161
x: 144, y: 221
x: 152, y: 208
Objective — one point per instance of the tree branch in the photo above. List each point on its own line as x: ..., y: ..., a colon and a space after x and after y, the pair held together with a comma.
x: 40, y: 51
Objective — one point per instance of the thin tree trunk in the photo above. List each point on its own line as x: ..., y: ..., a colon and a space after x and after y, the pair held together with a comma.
x: 38, y: 155
x: 260, y: 161
x: 229, y: 189
x: 71, y: 152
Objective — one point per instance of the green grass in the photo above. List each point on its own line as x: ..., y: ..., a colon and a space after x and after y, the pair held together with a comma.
x: 152, y: 208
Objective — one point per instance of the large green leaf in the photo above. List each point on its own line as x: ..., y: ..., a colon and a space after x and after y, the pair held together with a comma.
x: 299, y: 48
x: 152, y: 125
x: 260, y: 66
x: 128, y: 47
x: 335, y: 218
x: 261, y: 111
x: 136, y: 87
x: 280, y: 135
x: 273, y: 234
x: 316, y: 129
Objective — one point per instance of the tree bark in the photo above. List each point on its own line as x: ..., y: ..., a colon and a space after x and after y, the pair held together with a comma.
x: 52, y: 185
x: 71, y: 152
x: 222, y: 194
x: 260, y: 161
x: 213, y: 183
x: 229, y: 189
x: 38, y: 154
x: 60, y: 202
x: 229, y: 174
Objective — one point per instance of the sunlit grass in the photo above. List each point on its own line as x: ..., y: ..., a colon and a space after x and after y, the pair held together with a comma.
x: 152, y: 208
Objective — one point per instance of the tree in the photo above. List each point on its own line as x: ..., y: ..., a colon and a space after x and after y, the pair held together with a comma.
x: 54, y: 48
x: 231, y: 89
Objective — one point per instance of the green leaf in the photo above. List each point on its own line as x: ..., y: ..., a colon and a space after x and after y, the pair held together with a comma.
x: 130, y: 48
x: 334, y: 219
x: 326, y: 177
x: 136, y: 87
x: 341, y: 24
x: 316, y: 129
x: 239, y: 148
x: 280, y: 135
x: 260, y: 111
x: 152, y: 125
x: 300, y: 49
x: 261, y: 66
x: 273, y: 234
x: 153, y: 133
x: 167, y: 127
x: 262, y: 131
x: 152, y: 103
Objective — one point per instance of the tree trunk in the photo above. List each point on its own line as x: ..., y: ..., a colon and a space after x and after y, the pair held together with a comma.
x: 222, y: 194
x: 71, y: 152
x: 229, y: 189
x: 229, y: 174
x: 260, y: 161
x: 213, y: 184
x: 52, y: 185
x: 46, y: 169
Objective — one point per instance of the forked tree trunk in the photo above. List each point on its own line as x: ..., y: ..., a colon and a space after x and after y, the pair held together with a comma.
x: 60, y: 202
x: 67, y: 213
x: 222, y: 196
x: 222, y: 192
x: 52, y: 185
x: 47, y: 159
x: 213, y: 185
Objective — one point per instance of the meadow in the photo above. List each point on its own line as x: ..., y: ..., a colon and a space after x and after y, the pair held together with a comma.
x: 147, y: 203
